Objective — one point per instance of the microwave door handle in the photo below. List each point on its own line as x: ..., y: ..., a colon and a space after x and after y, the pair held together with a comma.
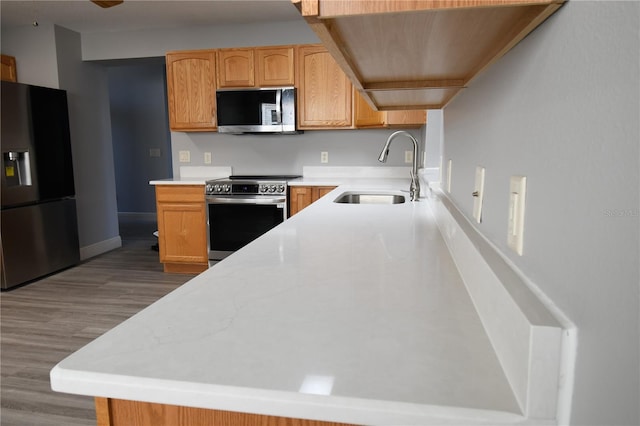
x: 279, y: 106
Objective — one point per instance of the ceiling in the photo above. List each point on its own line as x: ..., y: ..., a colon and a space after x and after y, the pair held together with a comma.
x: 85, y: 17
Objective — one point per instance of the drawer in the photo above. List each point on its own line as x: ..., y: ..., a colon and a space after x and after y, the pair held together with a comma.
x: 180, y: 193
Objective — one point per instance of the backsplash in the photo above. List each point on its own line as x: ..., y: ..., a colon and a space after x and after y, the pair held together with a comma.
x: 264, y: 154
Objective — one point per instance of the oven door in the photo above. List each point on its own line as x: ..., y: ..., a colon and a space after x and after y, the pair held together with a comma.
x: 233, y: 222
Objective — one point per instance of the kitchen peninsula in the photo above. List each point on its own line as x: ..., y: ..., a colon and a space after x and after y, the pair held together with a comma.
x: 344, y: 313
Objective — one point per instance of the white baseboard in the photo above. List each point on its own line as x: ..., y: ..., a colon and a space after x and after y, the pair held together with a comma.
x: 527, y: 336
x: 92, y: 250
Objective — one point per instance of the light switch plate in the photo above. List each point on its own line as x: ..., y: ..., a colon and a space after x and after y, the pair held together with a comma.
x: 408, y: 156
x: 207, y: 158
x: 478, y: 194
x: 184, y: 156
x: 515, y: 232
x: 449, y: 165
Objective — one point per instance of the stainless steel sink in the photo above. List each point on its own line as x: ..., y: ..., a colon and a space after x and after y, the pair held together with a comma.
x: 369, y: 198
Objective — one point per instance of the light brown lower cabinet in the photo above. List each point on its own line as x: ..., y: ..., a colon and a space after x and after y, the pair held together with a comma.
x: 302, y: 196
x: 182, y: 228
x: 118, y: 412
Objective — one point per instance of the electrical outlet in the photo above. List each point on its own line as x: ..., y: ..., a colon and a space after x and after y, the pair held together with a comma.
x: 154, y: 152
x: 478, y: 194
x: 408, y: 156
x: 324, y: 157
x: 184, y: 156
x: 207, y: 158
x: 515, y: 232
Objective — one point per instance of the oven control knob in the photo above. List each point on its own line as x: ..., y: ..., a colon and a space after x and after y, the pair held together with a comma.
x: 226, y: 188
x: 263, y: 188
x: 272, y: 188
x: 216, y: 188
x: 208, y: 189
x: 280, y: 188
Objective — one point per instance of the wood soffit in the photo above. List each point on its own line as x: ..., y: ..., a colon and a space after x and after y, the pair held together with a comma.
x: 418, y: 54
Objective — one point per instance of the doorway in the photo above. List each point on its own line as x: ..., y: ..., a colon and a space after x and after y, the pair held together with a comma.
x: 141, y: 141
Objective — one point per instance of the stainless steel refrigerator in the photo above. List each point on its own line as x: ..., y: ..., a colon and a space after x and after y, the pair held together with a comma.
x: 38, y: 217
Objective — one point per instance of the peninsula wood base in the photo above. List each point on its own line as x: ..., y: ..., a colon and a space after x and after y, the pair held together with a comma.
x: 118, y: 412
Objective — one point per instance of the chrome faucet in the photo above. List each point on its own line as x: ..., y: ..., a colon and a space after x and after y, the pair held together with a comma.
x: 414, y: 189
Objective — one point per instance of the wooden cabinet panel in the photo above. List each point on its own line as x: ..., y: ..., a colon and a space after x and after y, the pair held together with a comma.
x: 320, y: 191
x: 118, y: 412
x: 191, y: 90
x: 408, y: 118
x: 236, y: 68
x: 368, y: 38
x: 256, y: 67
x: 299, y: 198
x: 324, y: 91
x: 275, y: 66
x: 182, y: 229
x: 365, y: 116
x: 303, y: 196
x: 8, y: 68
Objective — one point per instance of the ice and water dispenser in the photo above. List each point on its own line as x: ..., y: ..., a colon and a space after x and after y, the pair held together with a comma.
x: 16, y: 168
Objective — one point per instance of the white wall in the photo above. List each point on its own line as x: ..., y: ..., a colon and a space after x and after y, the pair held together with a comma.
x: 35, y: 51
x: 563, y: 109
x: 89, y: 119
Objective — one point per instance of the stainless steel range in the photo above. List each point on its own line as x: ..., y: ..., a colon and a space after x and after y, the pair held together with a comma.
x: 242, y: 208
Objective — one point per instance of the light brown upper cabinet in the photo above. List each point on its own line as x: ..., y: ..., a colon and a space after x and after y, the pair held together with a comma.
x: 275, y: 66
x: 366, y: 117
x: 419, y: 54
x: 236, y: 68
x: 324, y: 91
x: 9, y: 69
x: 405, y: 118
x: 256, y: 67
x: 191, y: 90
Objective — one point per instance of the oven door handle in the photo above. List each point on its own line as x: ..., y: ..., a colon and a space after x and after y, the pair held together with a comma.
x: 237, y: 200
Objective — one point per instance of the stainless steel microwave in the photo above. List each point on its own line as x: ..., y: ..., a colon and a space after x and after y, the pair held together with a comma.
x: 265, y: 110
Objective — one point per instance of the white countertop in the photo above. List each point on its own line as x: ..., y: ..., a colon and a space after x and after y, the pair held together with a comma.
x: 195, y: 175
x: 351, y: 313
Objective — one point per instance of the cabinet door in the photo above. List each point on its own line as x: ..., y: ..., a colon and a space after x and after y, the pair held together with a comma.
x: 182, y: 229
x: 274, y: 66
x: 191, y: 89
x: 235, y: 68
x: 321, y: 191
x: 299, y: 198
x: 408, y: 118
x: 324, y: 91
x: 303, y: 196
x: 365, y: 116
x: 9, y: 70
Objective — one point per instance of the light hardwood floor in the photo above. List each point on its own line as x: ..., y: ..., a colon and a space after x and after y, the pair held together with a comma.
x: 43, y: 322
